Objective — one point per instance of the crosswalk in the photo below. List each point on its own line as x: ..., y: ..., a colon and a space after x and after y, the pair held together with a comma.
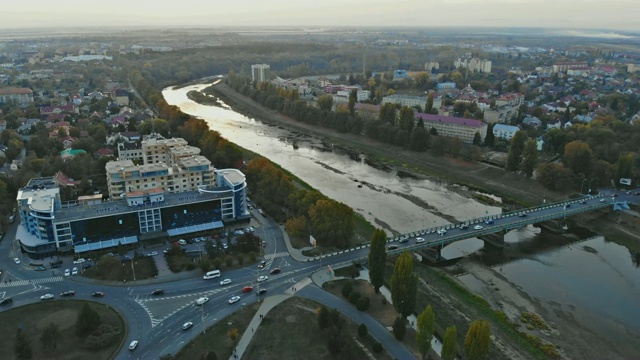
x: 276, y: 255
x: 31, y: 282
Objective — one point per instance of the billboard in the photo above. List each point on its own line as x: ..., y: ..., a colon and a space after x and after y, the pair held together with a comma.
x: 625, y: 181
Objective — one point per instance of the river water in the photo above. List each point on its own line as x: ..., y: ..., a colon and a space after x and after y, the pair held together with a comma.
x: 605, y: 283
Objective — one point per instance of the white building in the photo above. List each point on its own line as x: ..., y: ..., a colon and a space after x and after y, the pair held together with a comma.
x: 17, y: 95
x: 260, y: 72
x: 463, y: 128
x: 405, y: 100
x: 505, y: 132
x: 474, y: 64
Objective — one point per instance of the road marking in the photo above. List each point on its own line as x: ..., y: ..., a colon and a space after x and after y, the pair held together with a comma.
x: 276, y: 255
x: 155, y: 321
x: 32, y: 282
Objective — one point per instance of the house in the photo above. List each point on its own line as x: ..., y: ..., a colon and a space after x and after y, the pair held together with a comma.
x: 531, y: 121
x: 64, y: 181
x: 120, y: 97
x: 76, y: 99
x: 554, y: 124
x: 68, y: 141
x: 69, y: 108
x: 103, y: 152
x: 367, y: 111
x: 582, y: 118
x: 16, y: 95
x: 512, y: 99
x: 505, y: 132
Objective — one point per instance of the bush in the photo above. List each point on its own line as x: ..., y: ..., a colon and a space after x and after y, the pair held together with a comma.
x: 217, y: 263
x: 252, y: 257
x: 240, y: 259
x: 347, y: 289
x: 363, y: 331
x: 399, y: 328
x: 354, y: 296
x: 377, y: 348
x: 190, y: 266
x: 228, y: 260
x: 104, y: 336
x: 384, y: 300
x: 363, y: 304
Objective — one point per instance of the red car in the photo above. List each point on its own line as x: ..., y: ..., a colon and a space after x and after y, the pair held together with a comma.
x: 247, y: 289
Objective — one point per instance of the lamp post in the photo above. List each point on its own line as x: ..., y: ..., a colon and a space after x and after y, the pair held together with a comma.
x: 582, y: 185
x: 133, y: 270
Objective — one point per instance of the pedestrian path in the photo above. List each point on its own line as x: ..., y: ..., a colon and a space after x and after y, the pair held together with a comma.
x: 276, y: 255
x: 31, y: 282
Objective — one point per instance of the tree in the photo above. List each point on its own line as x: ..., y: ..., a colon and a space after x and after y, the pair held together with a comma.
x: 325, y: 102
x: 404, y: 285
x: 555, y: 176
x: 429, y: 105
x: 450, y: 343
x: 353, y: 99
x: 419, y: 138
x: 50, y: 336
x: 477, y: 341
x: 387, y: 113
x: 554, y: 140
x: 88, y: 320
x: 399, y: 328
x: 406, y: 120
x: 323, y: 318
x: 624, y: 166
x: 426, y: 326
x: 515, y: 151
x: 578, y: 157
x: 22, y: 346
x: 477, y: 139
x: 490, y: 139
x: 377, y: 259
x: 529, y: 158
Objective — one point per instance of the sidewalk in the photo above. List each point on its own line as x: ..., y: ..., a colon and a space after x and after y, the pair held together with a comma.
x: 296, y: 254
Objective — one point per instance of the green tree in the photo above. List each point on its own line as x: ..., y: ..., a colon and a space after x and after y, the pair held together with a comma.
x: 490, y: 139
x: 624, y: 166
x: 325, y: 102
x: 477, y: 341
x: 404, y: 285
x: 333, y: 223
x: 419, y: 138
x: 426, y: 326
x: 399, y: 328
x: 450, y: 343
x: 554, y: 140
x: 529, y: 158
x: 22, y: 346
x: 477, y: 139
x: 429, y: 105
x: 88, y: 320
x: 353, y: 99
x: 387, y: 113
x: 49, y: 337
x: 578, y: 157
x: 228, y: 260
x: 377, y: 259
x: 323, y: 317
x: 515, y: 151
x: 555, y: 176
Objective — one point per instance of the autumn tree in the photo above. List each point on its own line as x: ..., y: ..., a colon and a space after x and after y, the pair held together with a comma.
x: 450, y: 343
x: 377, y: 258
x: 529, y: 158
x: 555, y: 176
x: 387, y: 113
x: 406, y: 119
x: 297, y: 226
x: 332, y: 222
x: 515, y: 151
x: 325, y: 102
x: 578, y: 157
x: 404, y: 285
x: 426, y: 326
x: 477, y: 341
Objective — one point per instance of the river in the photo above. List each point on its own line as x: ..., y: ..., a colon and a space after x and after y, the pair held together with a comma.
x: 606, y: 291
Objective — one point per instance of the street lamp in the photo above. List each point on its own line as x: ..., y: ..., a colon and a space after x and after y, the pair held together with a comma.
x: 582, y: 184
x: 133, y: 270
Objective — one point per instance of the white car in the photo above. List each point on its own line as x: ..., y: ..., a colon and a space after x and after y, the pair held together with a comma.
x: 263, y: 278
x: 133, y: 345
x: 225, y: 282
x: 442, y: 232
x: 182, y: 242
x: 153, y: 253
x: 46, y: 297
x: 67, y: 272
x: 234, y: 299
x: 16, y: 260
x: 477, y: 227
x: 187, y: 325
x: 74, y: 271
x: 420, y: 240
x: 202, y: 300
x: 79, y: 261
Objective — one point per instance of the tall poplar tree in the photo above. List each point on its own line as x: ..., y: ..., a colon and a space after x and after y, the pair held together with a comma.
x: 450, y: 343
x: 426, y: 326
x: 377, y: 259
x: 477, y: 341
x: 404, y: 285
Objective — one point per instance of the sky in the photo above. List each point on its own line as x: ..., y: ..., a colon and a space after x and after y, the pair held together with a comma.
x: 580, y: 14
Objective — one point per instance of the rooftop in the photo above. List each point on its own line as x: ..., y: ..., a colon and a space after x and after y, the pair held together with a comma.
x: 451, y: 120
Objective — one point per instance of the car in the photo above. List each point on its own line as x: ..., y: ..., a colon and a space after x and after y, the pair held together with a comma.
x: 261, y: 292
x: 165, y: 251
x: 263, y: 278
x: 79, y: 261
x: 247, y: 289
x: 464, y: 226
x: 87, y: 266
x: 636, y: 193
x: 46, y: 297
x: 153, y: 253
x: 603, y: 200
x: 157, y: 292
x: 182, y: 242
x: 17, y: 261
x: 525, y: 214
x: 566, y: 206
x: 225, y: 282
x: 261, y: 212
x: 74, y: 271
x: 202, y: 300
x: 6, y: 301
x: 441, y: 231
x: 234, y: 299
x: 126, y: 258
x: 262, y: 264
x: 420, y: 240
x: 583, y: 202
x: 478, y: 227
x: 615, y: 195
x: 67, y: 272
x: 275, y: 271
x: 404, y: 239
x: 133, y: 345
x: 68, y: 293
x: 57, y: 262
x: 489, y: 222
x: 56, y: 266
x: 40, y: 268
x: 187, y: 325
x: 392, y: 247
x: 628, y: 192
x: 264, y: 243
x: 98, y: 294
x: 251, y: 229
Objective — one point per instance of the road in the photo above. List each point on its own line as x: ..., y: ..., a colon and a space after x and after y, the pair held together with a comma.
x: 156, y: 321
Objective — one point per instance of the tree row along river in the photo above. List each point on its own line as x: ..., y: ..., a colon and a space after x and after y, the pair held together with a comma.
x: 401, y: 205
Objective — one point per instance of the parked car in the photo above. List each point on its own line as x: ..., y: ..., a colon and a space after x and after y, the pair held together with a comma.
x: 47, y: 297
x: 40, y: 268
x: 187, y: 325
x: 153, y: 253
x: 79, y: 261
x: 133, y: 345
x: 234, y: 299
x: 74, y: 271
x: 57, y: 262
x: 98, y: 294
x: 87, y: 266
x: 247, y: 289
x: 157, y: 292
x: 6, y: 301
x: 67, y: 272
x: 68, y: 293
x: 56, y: 266
x: 182, y: 242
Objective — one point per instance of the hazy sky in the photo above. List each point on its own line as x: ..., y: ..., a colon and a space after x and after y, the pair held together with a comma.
x: 584, y: 14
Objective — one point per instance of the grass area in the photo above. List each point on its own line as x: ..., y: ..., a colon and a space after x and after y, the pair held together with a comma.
x: 113, y: 269
x: 290, y: 331
x: 217, y: 338
x: 34, y: 317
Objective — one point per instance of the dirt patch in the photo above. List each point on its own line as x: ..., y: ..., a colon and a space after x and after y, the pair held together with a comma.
x: 65, y: 319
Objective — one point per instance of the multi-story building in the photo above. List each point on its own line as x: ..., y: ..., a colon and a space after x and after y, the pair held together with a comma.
x: 169, y: 164
x: 511, y: 99
x: 17, y: 95
x: 49, y: 226
x: 505, y: 132
x: 260, y: 72
x: 449, y: 85
x: 564, y: 66
x: 431, y: 65
x: 405, y: 100
x: 474, y: 64
x: 130, y: 151
x: 465, y: 129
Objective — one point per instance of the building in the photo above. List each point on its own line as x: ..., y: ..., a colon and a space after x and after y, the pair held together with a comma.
x: 405, y: 100
x: 450, y: 85
x: 465, y: 129
x: 48, y: 226
x: 633, y: 68
x: 130, y: 151
x: 511, y: 99
x: 169, y: 164
x: 16, y: 95
x: 501, y: 114
x: 473, y: 64
x: 120, y: 97
x: 260, y: 72
x: 564, y: 66
x: 431, y: 65
x: 505, y: 132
